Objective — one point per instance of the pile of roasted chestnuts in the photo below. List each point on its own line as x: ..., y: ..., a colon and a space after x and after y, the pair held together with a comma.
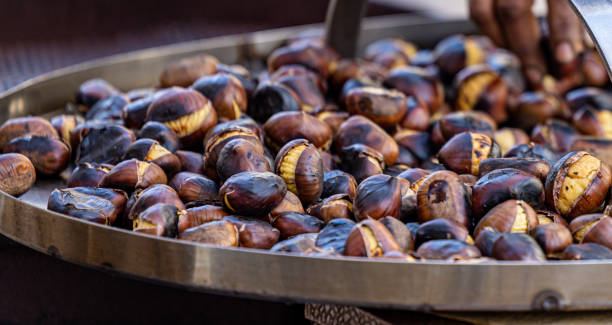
x: 442, y: 154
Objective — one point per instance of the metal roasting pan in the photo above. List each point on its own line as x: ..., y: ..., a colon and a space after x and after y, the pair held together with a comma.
x: 430, y: 286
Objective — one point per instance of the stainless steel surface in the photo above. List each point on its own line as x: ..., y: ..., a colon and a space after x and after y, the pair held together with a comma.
x: 380, y: 283
x: 597, y: 17
x: 343, y: 25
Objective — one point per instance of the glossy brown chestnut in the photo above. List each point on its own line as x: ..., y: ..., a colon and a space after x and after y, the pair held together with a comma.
x: 109, y: 109
x: 456, y: 52
x: 135, y: 112
x: 417, y: 115
x: 587, y: 251
x: 270, y: 98
x: 175, y: 182
x: 504, y: 184
x: 577, y: 184
x: 91, y: 91
x: 390, y: 52
x: 64, y: 124
x: 593, y: 97
x: 158, y: 220
x: 370, y: 238
x: 88, y: 175
x: 303, y: 244
x: 115, y: 140
x: 354, y: 69
x: 441, y: 229
x: 533, y: 166
x: 131, y: 174
x: 307, y: 54
x: 291, y: 224
x: 591, y: 122
x: 98, y: 205
x: 416, y: 176
x: 534, y: 108
x: 254, y: 233
x: 417, y: 82
x: 185, y: 71
x: 160, y: 133
x: 196, y: 216
x: 300, y: 166
x: 418, y: 143
x: 545, y: 217
x: 442, y: 195
x: 478, y: 87
x: 400, y: 232
x: 592, y: 228
x: 244, y: 121
x: 218, y: 233
x: 384, y: 107
x: 464, y: 152
x: 359, y: 129
x: 507, y: 138
x: 17, y: 173
x: 286, y: 126
x: 226, y: 93
x: 553, y: 238
x: 339, y: 182
x: 555, y: 134
x: 517, y: 247
x: 50, y: 156
x: 447, y: 249
x: 509, y: 216
x: 362, y: 161
x: 290, y: 203
x: 31, y: 126
x: 333, y: 236
x: 335, y: 207
x: 241, y: 155
x: 252, y: 193
x: 190, y: 161
x: 378, y: 196
x: 305, y: 86
x: 532, y: 150
x: 485, y: 240
x: 198, y: 188
x: 598, y: 147
x: 215, y: 145
x: 152, y: 151
x: 333, y: 119
x: 186, y: 112
x: 154, y: 194
x: 454, y: 123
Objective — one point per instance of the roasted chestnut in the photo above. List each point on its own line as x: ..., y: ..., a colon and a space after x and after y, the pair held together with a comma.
x: 390, y: 52
x: 509, y: 216
x: 303, y: 244
x: 577, y: 184
x: 186, y: 112
x: 504, y: 184
x: 370, y: 238
x: 591, y: 122
x: 307, y: 54
x: 158, y: 220
x: 17, y: 173
x: 545, y: 217
x: 334, y: 207
x: 290, y: 203
x: 333, y: 119
x: 190, y: 161
x: 270, y: 98
x: 241, y: 155
x: 555, y: 134
x: 198, y: 188
x: 154, y: 194
x: 485, y: 240
x: 441, y: 229
x: 215, y: 145
x: 88, y: 175
x: 133, y: 173
x: 135, y: 112
x: 102, y: 144
x: 226, y: 93
x: 301, y: 167
x: 591, y: 97
x: 50, y: 156
x: 454, y: 123
x: 553, y: 238
x: 160, y: 133
x: 286, y: 126
x: 99, y: 205
x: 334, y: 235
x: 254, y: 233
x: 218, y: 233
x: 417, y: 115
x: 31, y: 126
x: 91, y: 91
x: 456, y: 52
x: 533, y: 150
x: 109, y: 109
x: 417, y: 82
x: 378, y: 196
x: 305, y: 85
x: 185, y: 71
x: 416, y: 176
x: 517, y: 247
x: 252, y: 193
x: 507, y: 138
x: 400, y: 232
x: 196, y: 216
x: 384, y: 107
x: 447, y: 249
x: 442, y: 195
x: 358, y: 129
x: 480, y: 88
x: 152, y: 151
x: 362, y: 161
x: 64, y: 124
x: 586, y: 251
x: 292, y: 223
x: 534, y: 166
x: 592, y: 228
x: 464, y: 152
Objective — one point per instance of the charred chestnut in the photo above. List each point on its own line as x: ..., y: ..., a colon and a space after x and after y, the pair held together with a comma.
x: 334, y: 235
x: 31, y: 126
x: 196, y: 216
x: 456, y: 52
x: 378, y: 196
x: 464, y: 152
x: 301, y: 167
x: 226, y: 93
x: 132, y: 173
x: 152, y: 151
x: 553, y: 238
x: 252, y: 193
x: 91, y: 91
x: 335, y: 207
x: 198, y: 188
x: 109, y: 109
x: 533, y: 150
x: 417, y: 82
x: 115, y: 140
x: 88, y: 175
x: 99, y: 205
x: 50, y: 156
x: 17, y: 173
x: 555, y: 134
x: 533, y: 166
x: 339, y: 182
x: 270, y: 98
x: 480, y: 88
x: 447, y: 249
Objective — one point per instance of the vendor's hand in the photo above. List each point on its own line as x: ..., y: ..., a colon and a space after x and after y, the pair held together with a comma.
x: 512, y: 24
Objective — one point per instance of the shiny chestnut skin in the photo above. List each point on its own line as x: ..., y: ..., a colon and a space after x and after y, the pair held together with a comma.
x: 390, y: 52
x: 185, y: 71
x: 333, y: 119
x: 135, y: 112
x: 480, y: 88
x: 304, y: 86
x: 116, y: 140
x: 441, y: 229
x: 244, y: 121
x: 418, y: 143
x: 98, y: 205
x: 586, y: 251
x: 283, y: 127
x: 17, y: 173
x: 592, y: 228
x: 370, y: 238
x: 131, y: 174
x: 591, y: 97
x: 336, y: 206
x: 442, y: 195
x: 190, y: 161
x: 241, y: 155
x: 64, y: 124
x: 307, y: 54
x: 532, y: 150
x: 290, y: 203
x: 270, y: 98
x: 464, y: 152
x: 303, y: 244
x: 400, y: 232
x: 50, y: 156
x: 254, y: 233
x: 508, y: 66
x: 454, y: 123
x: 300, y: 166
x: 588, y: 121
x: 333, y: 236
x: 546, y: 216
x: 509, y: 216
x: 362, y: 161
x: 31, y: 126
x: 292, y: 224
x: 152, y: 151
x: 555, y: 134
x: 218, y: 233
x: 378, y: 196
x: 329, y: 161
x: 339, y: 182
x: 534, y: 108
x: 226, y: 93
x: 88, y: 175
x: 504, y: 184
x: 176, y: 181
x: 160, y: 133
x: 417, y: 82
x: 109, y: 109
x: 533, y: 166
x: 193, y: 217
x: 198, y: 189
x: 186, y: 112
x: 485, y: 240
x: 577, y: 184
x: 359, y: 129
x: 154, y: 194
x: 507, y: 138
x: 158, y: 220
x: 553, y: 238
x: 354, y: 69
x: 416, y: 176
x: 252, y: 193
x: 383, y: 106
x: 93, y: 90
x: 447, y: 249
x: 215, y: 145
x: 417, y: 115
x: 517, y: 247
x: 456, y: 52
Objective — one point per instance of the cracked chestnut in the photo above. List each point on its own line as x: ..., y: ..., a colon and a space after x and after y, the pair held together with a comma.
x: 100, y: 205
x: 447, y: 249
x: 464, y: 152
x: 370, y: 238
x: 442, y: 195
x: 160, y: 133
x: 133, y: 173
x: 254, y: 233
x: 152, y: 151
x: 286, y: 126
x: 31, y: 126
x: 88, y: 175
x: 362, y: 161
x: 509, y: 216
x: 359, y: 129
x: 300, y: 166
x: 158, y: 220
x: 226, y: 93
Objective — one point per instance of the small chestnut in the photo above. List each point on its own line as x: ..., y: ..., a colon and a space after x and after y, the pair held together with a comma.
x: 442, y: 195
x: 592, y: 228
x: 339, y: 182
x: 93, y: 90
x: 290, y: 203
x: 448, y: 249
x: 383, y: 106
x: 88, y: 174
x: 190, y: 161
x: 198, y: 188
x: 241, y: 155
x: 509, y: 216
x: 586, y: 251
x: 334, y: 235
x: 196, y: 216
x: 478, y: 87
x: 362, y: 161
x: 252, y: 193
x: 102, y: 144
x: 17, y: 173
x: 555, y: 134
x: 154, y: 194
x: 553, y: 238
x: 152, y: 151
x: 160, y: 133
x: 270, y: 98
x: 441, y: 229
x: 31, y: 126
x: 359, y: 129
x: 283, y: 127
x: 417, y: 82
x: 378, y: 196
x: 292, y: 223
x: 390, y: 52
